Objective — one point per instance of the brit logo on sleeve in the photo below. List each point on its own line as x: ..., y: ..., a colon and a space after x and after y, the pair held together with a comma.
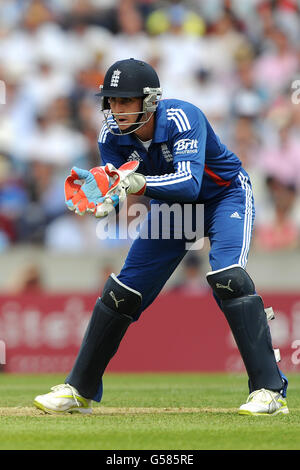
x: 186, y: 146
x: 115, y: 78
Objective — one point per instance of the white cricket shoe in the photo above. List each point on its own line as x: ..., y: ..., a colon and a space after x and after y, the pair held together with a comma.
x: 264, y: 402
x: 63, y: 399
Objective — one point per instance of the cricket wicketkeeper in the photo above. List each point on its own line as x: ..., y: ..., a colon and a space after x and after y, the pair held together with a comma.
x: 180, y: 160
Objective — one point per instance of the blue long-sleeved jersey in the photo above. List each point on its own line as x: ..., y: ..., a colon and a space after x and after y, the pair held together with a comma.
x: 185, y: 162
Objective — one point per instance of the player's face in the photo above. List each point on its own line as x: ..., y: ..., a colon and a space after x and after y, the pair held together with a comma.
x: 125, y: 106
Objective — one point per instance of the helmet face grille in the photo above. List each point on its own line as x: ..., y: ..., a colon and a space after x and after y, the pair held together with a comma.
x: 128, y: 78
x: 150, y: 102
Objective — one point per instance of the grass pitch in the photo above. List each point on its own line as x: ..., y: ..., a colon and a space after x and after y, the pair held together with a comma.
x: 148, y: 412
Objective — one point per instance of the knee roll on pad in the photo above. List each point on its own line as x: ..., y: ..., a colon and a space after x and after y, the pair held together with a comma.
x: 120, y: 298
x: 231, y: 282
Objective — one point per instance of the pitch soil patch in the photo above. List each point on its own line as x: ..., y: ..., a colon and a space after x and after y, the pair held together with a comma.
x: 98, y: 411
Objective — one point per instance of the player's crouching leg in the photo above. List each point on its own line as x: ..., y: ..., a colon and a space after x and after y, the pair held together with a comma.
x: 246, y: 316
x: 111, y: 317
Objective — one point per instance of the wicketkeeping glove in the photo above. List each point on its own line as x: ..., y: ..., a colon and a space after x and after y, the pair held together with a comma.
x: 132, y: 182
x: 100, y: 189
x: 84, y: 189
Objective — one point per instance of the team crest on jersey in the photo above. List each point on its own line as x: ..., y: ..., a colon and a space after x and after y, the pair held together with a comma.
x: 166, y: 153
x: 186, y: 146
x: 115, y: 78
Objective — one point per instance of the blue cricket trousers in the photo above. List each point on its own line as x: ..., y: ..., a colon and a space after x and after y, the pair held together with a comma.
x: 228, y: 223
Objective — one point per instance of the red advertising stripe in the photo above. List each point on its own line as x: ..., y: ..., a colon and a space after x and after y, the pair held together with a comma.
x: 177, y: 333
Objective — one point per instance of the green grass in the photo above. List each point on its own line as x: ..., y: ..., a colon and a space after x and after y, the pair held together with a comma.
x: 148, y: 411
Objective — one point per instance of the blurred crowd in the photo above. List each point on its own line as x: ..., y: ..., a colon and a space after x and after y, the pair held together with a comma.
x: 239, y: 61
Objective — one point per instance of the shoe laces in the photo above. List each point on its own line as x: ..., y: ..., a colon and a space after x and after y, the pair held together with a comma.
x: 263, y: 395
x: 57, y: 388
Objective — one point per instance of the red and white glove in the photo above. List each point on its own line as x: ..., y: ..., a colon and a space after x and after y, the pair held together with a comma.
x: 85, y: 189
x: 125, y: 181
x: 101, y: 189
x: 127, y: 178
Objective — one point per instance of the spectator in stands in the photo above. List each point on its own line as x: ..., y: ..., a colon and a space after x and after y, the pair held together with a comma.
x: 131, y: 40
x: 13, y: 201
x: 276, y: 65
x: 281, y: 156
x: 235, y: 59
x: 193, y: 281
x: 26, y: 280
x: 279, y: 230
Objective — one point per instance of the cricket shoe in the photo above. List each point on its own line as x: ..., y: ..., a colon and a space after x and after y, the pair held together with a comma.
x: 264, y: 403
x: 63, y: 399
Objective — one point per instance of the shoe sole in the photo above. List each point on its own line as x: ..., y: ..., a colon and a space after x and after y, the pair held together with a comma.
x: 281, y: 411
x: 79, y: 410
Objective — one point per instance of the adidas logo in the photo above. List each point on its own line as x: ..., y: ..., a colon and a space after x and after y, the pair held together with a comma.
x: 235, y: 215
x: 134, y: 156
